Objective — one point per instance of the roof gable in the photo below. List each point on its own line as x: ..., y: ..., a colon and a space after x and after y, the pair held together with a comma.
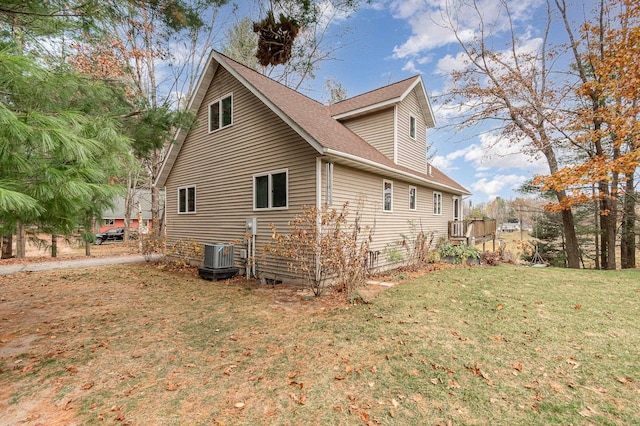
x: 385, y: 97
x: 313, y: 121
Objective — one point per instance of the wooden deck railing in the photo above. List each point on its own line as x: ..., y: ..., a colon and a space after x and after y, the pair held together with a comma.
x: 472, y: 231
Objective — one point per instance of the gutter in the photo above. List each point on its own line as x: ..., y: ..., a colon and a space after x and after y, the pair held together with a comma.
x: 382, y: 167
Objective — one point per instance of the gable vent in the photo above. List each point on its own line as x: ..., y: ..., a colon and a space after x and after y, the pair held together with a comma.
x: 218, y: 256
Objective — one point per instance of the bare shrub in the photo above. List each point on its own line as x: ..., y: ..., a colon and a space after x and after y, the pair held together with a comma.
x: 151, y: 243
x: 322, y: 245
x: 182, y: 253
x: 418, y: 246
x: 490, y: 258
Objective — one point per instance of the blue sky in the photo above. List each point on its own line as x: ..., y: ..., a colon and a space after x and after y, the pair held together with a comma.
x: 390, y: 40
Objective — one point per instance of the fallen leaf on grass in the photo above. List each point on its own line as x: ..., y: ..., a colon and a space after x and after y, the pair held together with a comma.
x: 339, y: 377
x: 299, y: 399
x: 587, y: 412
x: 120, y: 417
x: 517, y: 366
x: 392, y: 413
x: 435, y: 381
x: 348, y: 369
x: 373, y: 369
x: 219, y: 422
x: 88, y: 386
x: 171, y: 387
x: 577, y: 307
x: 454, y: 384
x: 239, y: 405
x: 625, y: 380
x: 292, y: 375
x: 71, y: 369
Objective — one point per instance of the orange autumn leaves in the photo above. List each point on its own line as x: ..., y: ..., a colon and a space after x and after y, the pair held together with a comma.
x: 606, y: 138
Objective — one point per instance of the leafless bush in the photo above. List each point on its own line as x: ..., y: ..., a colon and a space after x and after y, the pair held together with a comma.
x: 322, y: 245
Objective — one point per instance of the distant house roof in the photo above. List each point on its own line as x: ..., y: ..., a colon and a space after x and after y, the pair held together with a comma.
x: 142, y: 195
x: 316, y: 123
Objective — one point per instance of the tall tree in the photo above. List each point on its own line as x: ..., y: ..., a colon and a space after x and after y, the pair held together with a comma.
x: 605, y: 126
x: 59, y: 144
x: 139, y: 48
x: 513, y: 87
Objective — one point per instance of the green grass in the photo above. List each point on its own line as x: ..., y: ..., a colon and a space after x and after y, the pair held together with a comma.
x: 503, y: 345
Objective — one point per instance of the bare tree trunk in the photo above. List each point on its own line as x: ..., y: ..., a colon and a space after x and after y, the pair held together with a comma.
x: 128, y: 205
x: 156, y: 163
x: 628, y: 237
x: 89, y: 224
x: 597, y: 230
x: 21, y: 241
x: 54, y: 245
x: 7, y: 247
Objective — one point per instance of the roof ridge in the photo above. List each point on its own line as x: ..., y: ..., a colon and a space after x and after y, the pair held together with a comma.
x: 378, y: 88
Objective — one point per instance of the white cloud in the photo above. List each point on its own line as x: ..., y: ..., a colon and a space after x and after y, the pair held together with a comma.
x: 498, y: 183
x: 431, y: 28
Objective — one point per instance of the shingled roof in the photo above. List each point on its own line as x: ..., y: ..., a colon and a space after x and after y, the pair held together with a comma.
x: 315, y: 122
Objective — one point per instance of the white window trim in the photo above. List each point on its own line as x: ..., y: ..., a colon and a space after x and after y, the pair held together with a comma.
x: 384, y: 183
x: 270, y: 190
x: 109, y: 222
x: 415, y: 203
x: 195, y: 197
x: 415, y: 127
x: 219, y: 101
x: 439, y: 212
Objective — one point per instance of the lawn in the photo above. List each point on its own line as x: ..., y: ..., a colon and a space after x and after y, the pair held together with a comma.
x: 487, y: 345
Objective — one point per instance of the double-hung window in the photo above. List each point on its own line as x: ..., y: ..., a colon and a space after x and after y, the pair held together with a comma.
x: 413, y: 194
x: 270, y: 190
x: 437, y: 203
x: 221, y: 113
x: 387, y: 195
x: 187, y: 199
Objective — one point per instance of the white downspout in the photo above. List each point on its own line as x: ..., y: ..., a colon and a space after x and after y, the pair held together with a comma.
x: 318, y: 210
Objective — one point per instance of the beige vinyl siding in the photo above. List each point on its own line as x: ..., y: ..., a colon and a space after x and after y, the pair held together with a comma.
x: 352, y: 185
x: 411, y: 153
x: 377, y: 129
x: 221, y: 165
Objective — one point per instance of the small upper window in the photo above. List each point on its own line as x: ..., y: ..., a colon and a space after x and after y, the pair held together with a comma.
x: 412, y: 197
x: 412, y: 127
x: 387, y: 194
x: 109, y: 222
x: 220, y: 113
x: 437, y: 203
x: 187, y: 199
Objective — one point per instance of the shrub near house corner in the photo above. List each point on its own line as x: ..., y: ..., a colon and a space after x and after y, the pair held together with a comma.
x: 334, y: 251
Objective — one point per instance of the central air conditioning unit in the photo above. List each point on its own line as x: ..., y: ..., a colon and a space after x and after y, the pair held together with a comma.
x: 218, y: 262
x: 218, y: 256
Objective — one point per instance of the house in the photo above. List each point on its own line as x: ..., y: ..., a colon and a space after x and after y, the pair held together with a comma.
x: 261, y: 151
x: 114, y: 217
